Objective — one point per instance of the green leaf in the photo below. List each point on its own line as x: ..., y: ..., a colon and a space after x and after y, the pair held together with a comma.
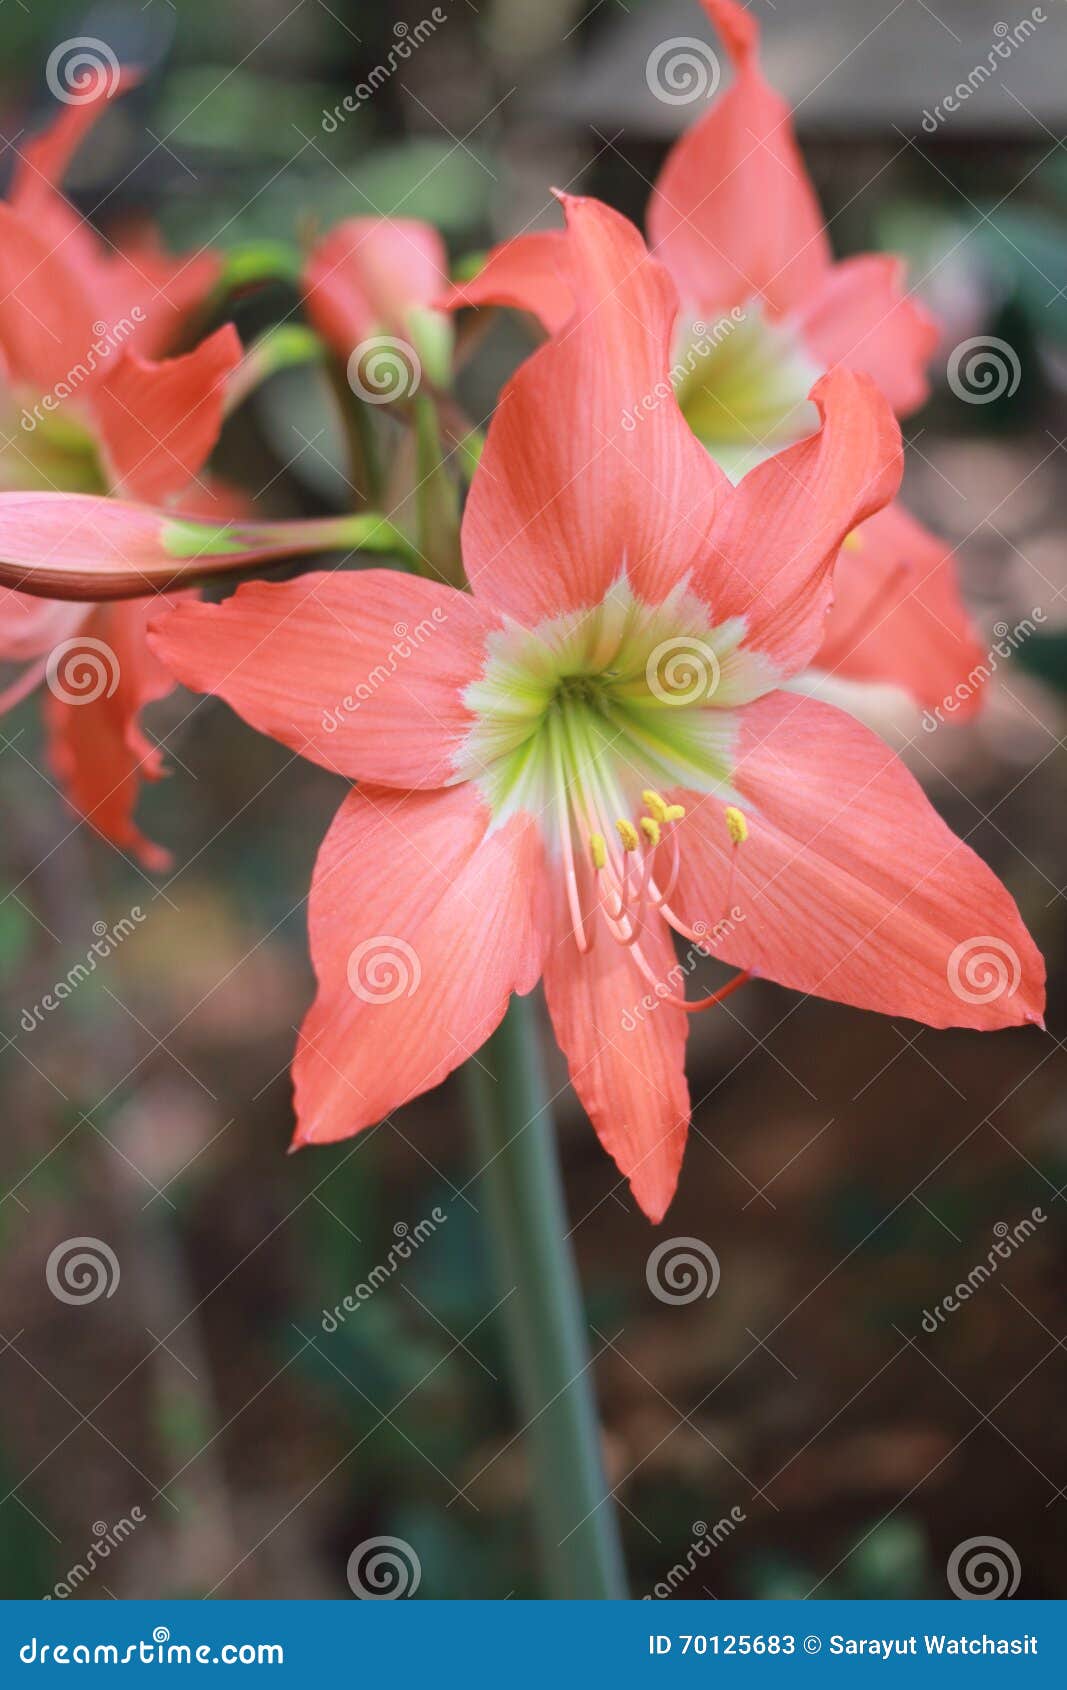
x: 254, y: 263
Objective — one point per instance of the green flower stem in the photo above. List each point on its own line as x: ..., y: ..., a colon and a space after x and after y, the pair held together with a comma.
x: 520, y: 1190
x: 436, y: 497
x: 365, y: 477
x: 287, y: 346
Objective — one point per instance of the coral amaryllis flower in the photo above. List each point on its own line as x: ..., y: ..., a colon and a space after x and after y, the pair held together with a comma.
x: 592, y: 750
x: 71, y: 301
x: 764, y: 311
x: 146, y: 432
x: 375, y: 280
x: 88, y: 410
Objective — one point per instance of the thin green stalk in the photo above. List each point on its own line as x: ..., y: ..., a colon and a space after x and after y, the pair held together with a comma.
x: 364, y: 469
x: 520, y: 1191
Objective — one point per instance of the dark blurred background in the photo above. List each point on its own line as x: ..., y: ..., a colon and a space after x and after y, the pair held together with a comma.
x: 848, y: 1171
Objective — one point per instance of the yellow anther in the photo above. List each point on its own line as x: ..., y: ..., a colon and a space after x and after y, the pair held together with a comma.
x: 628, y: 834
x: 675, y: 812
x: 655, y: 805
x: 853, y: 542
x: 736, y: 825
x: 650, y: 829
x: 598, y: 850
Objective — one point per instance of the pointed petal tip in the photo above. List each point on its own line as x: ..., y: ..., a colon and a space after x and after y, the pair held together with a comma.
x: 654, y: 1186
x: 156, y: 859
x: 653, y: 1209
x: 1034, y: 1016
x: 576, y: 203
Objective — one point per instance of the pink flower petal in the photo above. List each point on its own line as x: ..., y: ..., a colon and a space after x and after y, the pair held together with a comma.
x: 849, y: 885
x: 733, y: 214
x: 362, y: 672
x: 422, y: 925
